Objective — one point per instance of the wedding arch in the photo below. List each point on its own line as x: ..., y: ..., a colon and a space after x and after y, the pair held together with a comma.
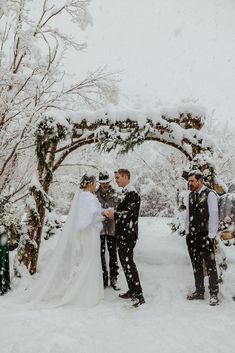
x: 59, y: 134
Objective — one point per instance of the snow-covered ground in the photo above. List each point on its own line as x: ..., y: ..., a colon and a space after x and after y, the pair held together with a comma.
x: 167, y: 323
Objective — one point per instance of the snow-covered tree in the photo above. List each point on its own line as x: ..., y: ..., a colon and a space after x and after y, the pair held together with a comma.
x: 33, y: 81
x: 32, y: 78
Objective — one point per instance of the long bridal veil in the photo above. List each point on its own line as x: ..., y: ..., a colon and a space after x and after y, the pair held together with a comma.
x: 75, y: 266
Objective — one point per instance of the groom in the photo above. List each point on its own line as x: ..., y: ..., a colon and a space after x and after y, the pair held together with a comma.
x: 126, y: 230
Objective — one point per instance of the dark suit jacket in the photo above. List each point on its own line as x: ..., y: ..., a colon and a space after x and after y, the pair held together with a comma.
x: 126, y: 217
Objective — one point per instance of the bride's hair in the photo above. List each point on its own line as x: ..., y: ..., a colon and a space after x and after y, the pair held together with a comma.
x: 86, y: 179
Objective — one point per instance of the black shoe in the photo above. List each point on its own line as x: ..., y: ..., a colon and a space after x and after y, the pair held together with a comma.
x: 106, y: 284
x: 214, y: 300
x: 126, y: 295
x: 114, y: 285
x: 195, y: 296
x: 138, y: 301
x: 233, y: 297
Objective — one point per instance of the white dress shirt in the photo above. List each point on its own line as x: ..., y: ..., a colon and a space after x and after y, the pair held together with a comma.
x: 128, y: 188
x: 213, y: 222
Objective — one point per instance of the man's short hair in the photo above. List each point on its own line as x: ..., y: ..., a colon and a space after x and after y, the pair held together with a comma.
x: 124, y: 172
x: 197, y: 173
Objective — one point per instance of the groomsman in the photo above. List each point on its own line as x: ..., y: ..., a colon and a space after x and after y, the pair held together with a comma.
x: 126, y: 230
x: 201, y: 229
x: 108, y: 199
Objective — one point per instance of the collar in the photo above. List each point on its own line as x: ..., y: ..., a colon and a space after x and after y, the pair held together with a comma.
x: 105, y: 191
x: 128, y: 188
x: 202, y: 189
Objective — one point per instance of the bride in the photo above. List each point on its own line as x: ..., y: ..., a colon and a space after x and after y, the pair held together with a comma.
x: 74, y: 274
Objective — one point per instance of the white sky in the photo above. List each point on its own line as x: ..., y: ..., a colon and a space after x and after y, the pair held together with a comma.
x: 167, y: 50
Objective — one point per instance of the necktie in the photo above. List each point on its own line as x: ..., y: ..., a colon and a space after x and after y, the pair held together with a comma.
x: 196, y: 197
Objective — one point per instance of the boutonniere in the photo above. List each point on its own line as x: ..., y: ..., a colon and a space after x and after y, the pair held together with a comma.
x: 122, y: 197
x: 202, y: 199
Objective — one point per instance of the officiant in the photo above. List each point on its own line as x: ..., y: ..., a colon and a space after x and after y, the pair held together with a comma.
x: 108, y: 198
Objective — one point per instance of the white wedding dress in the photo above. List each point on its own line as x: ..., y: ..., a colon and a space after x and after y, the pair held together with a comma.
x: 74, y: 274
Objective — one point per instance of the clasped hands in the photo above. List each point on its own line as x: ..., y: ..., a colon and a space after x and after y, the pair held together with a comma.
x: 109, y: 214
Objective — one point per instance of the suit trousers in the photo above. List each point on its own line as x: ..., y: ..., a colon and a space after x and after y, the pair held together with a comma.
x: 113, y: 263
x: 201, y: 247
x: 126, y: 256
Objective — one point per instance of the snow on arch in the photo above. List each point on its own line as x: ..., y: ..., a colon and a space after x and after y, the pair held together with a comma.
x: 112, y: 127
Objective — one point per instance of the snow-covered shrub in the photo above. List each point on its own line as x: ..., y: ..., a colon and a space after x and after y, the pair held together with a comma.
x: 54, y: 221
x: 10, y: 222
